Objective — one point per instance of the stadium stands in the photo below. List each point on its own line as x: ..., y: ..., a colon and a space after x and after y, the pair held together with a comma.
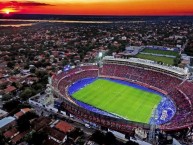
x: 178, y: 90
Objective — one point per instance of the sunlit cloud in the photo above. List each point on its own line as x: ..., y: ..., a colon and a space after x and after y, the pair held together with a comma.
x: 8, y: 10
x: 17, y: 6
x: 100, y: 7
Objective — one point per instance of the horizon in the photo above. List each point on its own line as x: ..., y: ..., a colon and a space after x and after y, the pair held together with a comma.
x: 90, y: 15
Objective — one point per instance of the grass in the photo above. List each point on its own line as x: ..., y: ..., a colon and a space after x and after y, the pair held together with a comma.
x: 128, y: 102
x: 164, y: 52
x: 165, y: 60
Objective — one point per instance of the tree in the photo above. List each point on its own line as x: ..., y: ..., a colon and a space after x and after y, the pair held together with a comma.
x: 75, y: 133
x: 98, y: 137
x: 24, y: 121
x: 131, y: 143
x: 44, y: 79
x: 177, y: 60
x: 16, y: 71
x: 10, y: 64
x: 28, y: 92
x: 53, y: 68
x: 6, y: 97
x: 65, y: 61
x: 40, y: 74
x: 38, y: 138
x: 33, y: 70
x: 3, y: 86
x: 11, y: 105
x: 14, y: 84
x: 55, y: 61
x: 2, y: 139
x: 38, y: 86
x: 26, y: 66
x: 110, y: 139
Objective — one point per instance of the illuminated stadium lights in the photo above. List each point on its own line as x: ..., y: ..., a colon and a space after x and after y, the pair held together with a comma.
x: 100, y: 54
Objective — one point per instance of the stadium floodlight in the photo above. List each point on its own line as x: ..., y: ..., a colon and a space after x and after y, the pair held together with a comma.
x: 100, y: 54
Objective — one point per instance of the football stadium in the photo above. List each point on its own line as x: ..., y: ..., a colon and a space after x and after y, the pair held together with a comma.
x: 125, y: 94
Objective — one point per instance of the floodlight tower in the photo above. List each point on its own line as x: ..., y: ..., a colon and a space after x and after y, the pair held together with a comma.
x: 153, y: 126
x: 49, y: 93
x: 100, y: 55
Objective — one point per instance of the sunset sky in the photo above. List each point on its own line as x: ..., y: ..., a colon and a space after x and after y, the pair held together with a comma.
x: 98, y: 7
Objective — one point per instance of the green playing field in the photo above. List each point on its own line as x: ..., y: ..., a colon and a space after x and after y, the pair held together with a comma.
x: 165, y: 60
x: 125, y: 101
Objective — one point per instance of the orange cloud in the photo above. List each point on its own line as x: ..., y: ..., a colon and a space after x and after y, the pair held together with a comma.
x: 17, y: 6
x: 109, y: 7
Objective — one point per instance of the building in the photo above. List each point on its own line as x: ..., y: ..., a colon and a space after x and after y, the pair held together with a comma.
x: 6, y: 122
x: 10, y: 89
x: 56, y: 135
x: 18, y: 137
x: 2, y: 113
x: 43, y: 122
x: 11, y: 133
x: 64, y: 127
x: 21, y: 113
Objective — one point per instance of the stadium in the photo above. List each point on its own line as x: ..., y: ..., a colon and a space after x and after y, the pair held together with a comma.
x: 125, y: 94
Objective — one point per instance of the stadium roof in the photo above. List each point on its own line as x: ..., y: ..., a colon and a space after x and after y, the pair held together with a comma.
x: 6, y: 121
x: 176, y: 70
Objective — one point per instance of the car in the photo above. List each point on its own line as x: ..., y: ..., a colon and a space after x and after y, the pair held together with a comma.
x: 87, y: 125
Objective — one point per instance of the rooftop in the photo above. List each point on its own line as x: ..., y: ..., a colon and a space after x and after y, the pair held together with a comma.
x: 55, y: 133
x: 64, y: 126
x: 50, y: 142
x: 6, y: 121
x: 18, y: 114
x: 25, y: 110
x: 22, y: 112
x: 19, y: 137
x: 10, y: 133
x: 2, y: 113
x: 42, y: 123
x: 10, y: 89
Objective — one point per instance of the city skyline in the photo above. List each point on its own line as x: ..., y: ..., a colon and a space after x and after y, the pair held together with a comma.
x: 98, y: 7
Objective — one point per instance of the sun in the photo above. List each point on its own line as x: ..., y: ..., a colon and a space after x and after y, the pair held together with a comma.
x: 7, y: 11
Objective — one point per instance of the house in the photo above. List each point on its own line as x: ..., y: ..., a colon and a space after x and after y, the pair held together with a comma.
x: 50, y: 142
x: 22, y: 112
x: 11, y: 133
x: 43, y: 122
x: 56, y: 135
x: 10, y: 89
x: 1, y: 75
x: 91, y: 143
x: 4, y: 81
x: 31, y: 80
x: 23, y: 143
x: 18, y: 137
x: 64, y: 127
x: 7, y: 122
x: 2, y: 113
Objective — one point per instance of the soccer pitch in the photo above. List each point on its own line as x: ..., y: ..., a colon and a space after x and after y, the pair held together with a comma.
x: 165, y: 60
x: 125, y: 101
x: 164, y: 52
